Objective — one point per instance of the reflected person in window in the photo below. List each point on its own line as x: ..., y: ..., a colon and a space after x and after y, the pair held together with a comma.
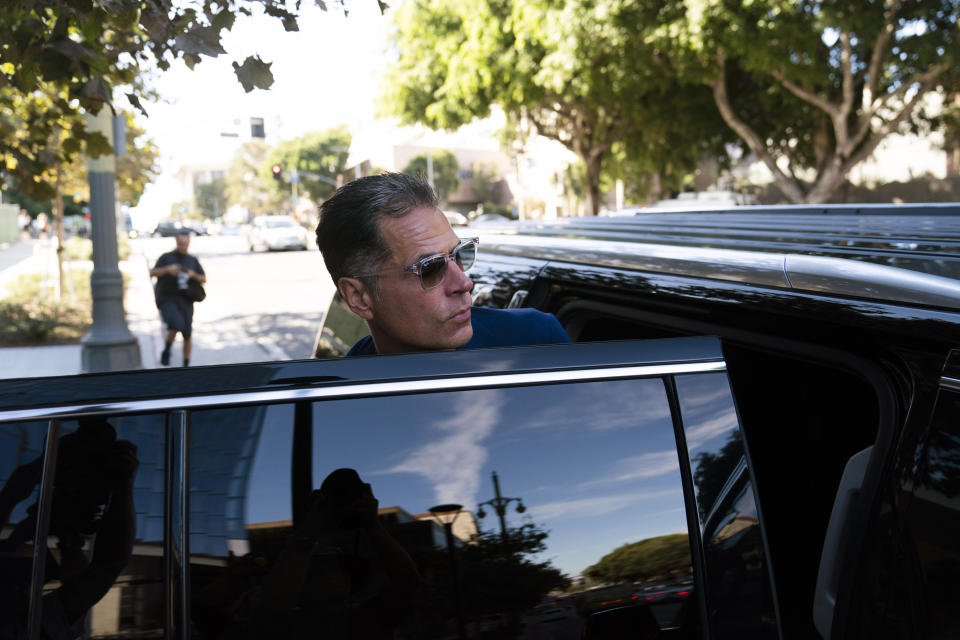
x: 92, y: 496
x: 342, y: 575
x: 398, y: 265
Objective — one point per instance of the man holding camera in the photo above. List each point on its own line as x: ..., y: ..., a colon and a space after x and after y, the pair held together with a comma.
x: 174, y: 270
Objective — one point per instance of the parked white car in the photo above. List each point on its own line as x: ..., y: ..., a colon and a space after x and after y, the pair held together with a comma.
x: 270, y: 233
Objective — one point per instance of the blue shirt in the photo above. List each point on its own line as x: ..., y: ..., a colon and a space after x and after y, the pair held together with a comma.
x: 497, y: 328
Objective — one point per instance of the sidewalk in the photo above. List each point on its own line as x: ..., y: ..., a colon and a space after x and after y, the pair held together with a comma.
x: 211, y: 345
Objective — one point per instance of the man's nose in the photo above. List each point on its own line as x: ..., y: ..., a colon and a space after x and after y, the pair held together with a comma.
x: 459, y: 282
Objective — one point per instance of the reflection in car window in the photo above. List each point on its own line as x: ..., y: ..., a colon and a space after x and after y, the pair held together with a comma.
x: 105, y: 529
x: 738, y: 592
x: 712, y: 433
x: 933, y: 516
x: 594, y: 517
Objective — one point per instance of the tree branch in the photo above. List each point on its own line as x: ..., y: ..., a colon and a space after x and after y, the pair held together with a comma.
x: 846, y: 61
x: 926, y: 82
x: 805, y: 95
x: 890, y: 126
x: 922, y: 78
x: 791, y: 188
x: 879, y: 50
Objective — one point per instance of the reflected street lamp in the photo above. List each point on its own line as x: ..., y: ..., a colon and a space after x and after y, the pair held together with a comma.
x: 499, y: 504
x: 445, y: 514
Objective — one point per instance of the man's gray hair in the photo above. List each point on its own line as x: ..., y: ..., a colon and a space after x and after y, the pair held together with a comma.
x: 349, y: 235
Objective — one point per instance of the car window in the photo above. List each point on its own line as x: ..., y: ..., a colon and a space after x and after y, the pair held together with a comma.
x: 104, y: 569
x: 738, y: 592
x: 589, y: 474
x: 933, y: 512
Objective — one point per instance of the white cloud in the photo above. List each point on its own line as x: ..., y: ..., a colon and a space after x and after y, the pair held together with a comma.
x: 706, y: 431
x: 452, y: 463
x: 592, y: 507
x: 621, y: 404
x: 645, y: 465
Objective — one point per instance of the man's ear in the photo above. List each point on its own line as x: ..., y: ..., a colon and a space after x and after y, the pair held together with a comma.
x: 357, y: 296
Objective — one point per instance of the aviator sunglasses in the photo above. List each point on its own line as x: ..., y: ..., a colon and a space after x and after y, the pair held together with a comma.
x: 433, y: 269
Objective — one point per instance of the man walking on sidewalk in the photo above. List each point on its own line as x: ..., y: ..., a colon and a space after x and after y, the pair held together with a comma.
x: 173, y: 271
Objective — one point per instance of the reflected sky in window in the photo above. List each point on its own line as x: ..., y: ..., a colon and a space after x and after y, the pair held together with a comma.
x: 594, y: 463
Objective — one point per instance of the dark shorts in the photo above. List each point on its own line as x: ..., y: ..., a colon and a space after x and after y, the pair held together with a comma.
x: 177, y: 314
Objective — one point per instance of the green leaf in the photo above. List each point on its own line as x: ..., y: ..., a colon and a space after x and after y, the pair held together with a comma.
x: 71, y: 146
x: 383, y: 6
x: 156, y: 24
x: 97, y: 145
x: 224, y: 20
x: 191, y: 59
x: 134, y: 100
x: 114, y: 7
x: 322, y: 5
x: 74, y: 50
x: 254, y: 73
x: 288, y: 20
x: 96, y: 89
x: 200, y: 40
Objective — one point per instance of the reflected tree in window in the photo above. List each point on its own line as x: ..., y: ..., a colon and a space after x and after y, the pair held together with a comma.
x: 711, y: 471
x: 496, y: 577
x: 649, y: 559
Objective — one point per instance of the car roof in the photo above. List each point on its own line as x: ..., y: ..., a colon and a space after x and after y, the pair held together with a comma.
x: 893, y: 253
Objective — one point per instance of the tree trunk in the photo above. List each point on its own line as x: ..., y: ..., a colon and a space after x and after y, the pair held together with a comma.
x: 592, y: 164
x: 828, y: 181
x: 58, y: 226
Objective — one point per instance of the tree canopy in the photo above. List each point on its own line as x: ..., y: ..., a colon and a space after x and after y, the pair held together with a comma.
x: 446, y: 170
x: 586, y: 73
x: 811, y: 87
x: 61, y: 59
x: 320, y: 159
x: 246, y: 184
x: 644, y: 560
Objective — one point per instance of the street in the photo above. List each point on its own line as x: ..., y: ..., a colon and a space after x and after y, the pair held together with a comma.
x: 272, y: 299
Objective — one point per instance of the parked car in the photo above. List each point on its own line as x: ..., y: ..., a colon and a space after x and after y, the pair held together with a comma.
x: 489, y: 219
x: 272, y: 233
x: 840, y: 327
x: 168, y: 228
x: 767, y: 401
x: 455, y: 218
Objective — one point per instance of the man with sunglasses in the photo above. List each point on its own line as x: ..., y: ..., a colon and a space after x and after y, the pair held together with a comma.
x: 398, y: 264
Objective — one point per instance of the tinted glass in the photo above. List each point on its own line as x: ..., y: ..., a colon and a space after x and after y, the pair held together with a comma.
x: 738, y: 591
x: 106, y: 527
x: 587, y: 477
x: 933, y: 517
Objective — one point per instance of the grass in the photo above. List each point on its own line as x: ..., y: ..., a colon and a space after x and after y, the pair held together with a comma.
x: 77, y: 248
x: 31, y: 315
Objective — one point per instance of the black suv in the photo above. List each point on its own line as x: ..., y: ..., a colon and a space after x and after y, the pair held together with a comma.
x: 755, y: 434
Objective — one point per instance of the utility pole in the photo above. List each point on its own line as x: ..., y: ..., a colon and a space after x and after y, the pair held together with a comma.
x: 109, y: 345
x: 430, y: 167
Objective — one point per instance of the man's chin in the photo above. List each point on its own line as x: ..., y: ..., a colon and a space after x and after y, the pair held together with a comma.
x: 461, y: 337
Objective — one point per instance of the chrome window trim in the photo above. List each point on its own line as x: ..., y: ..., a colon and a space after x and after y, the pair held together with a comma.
x: 950, y: 383
x: 176, y: 528
x: 344, y: 391
x: 42, y: 530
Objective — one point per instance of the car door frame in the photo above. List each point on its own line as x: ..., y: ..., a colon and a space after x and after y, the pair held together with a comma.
x: 297, y: 382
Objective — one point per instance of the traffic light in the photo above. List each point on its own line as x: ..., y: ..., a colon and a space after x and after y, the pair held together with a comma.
x: 277, y: 172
